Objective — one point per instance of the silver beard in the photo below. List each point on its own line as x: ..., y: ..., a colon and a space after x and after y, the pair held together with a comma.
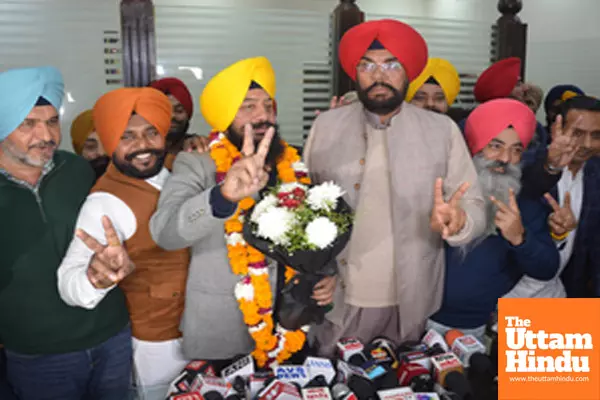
x: 494, y: 184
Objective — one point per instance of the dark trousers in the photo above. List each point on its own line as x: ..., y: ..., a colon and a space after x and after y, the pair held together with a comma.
x: 99, y: 373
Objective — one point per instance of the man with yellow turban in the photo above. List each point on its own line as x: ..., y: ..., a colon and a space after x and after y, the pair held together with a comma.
x: 436, y: 88
x: 132, y: 125
x: 87, y: 144
x: 407, y: 174
x: 54, y: 351
x: 198, y: 208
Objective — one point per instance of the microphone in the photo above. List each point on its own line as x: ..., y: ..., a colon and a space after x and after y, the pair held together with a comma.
x: 416, y: 377
x: 258, y: 381
x: 418, y: 355
x: 180, y: 384
x: 206, y: 384
x: 357, y: 380
x: 213, y: 395
x: 317, y: 366
x: 402, y: 393
x: 292, y: 374
x: 351, y: 351
x: 316, y: 393
x: 457, y: 383
x: 244, y: 367
x: 433, y: 338
x: 200, y: 367
x: 443, y: 364
x: 384, y: 352
x: 278, y: 390
x: 342, y: 392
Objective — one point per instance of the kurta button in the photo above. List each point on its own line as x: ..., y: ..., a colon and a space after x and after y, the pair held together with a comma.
x: 362, y: 161
x: 357, y: 186
x: 175, y: 294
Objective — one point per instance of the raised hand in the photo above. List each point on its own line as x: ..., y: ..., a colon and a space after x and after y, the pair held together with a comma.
x: 564, y: 144
x: 334, y: 103
x: 562, y: 220
x: 448, y: 218
x: 196, y: 143
x: 110, y: 264
x: 249, y: 175
x: 508, y: 219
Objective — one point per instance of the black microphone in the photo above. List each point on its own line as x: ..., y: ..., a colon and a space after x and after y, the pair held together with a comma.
x: 457, y: 383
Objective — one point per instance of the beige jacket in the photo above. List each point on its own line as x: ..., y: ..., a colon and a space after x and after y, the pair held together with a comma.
x: 422, y: 146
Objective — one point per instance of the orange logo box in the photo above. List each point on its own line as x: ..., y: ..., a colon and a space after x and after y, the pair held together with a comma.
x: 549, y: 349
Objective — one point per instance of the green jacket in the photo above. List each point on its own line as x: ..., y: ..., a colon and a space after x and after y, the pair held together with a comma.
x: 37, y: 226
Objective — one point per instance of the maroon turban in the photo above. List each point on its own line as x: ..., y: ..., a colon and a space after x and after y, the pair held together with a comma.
x: 499, y: 80
x: 178, y: 89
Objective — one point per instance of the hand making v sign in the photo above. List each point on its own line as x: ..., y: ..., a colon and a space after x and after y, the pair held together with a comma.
x: 448, y: 218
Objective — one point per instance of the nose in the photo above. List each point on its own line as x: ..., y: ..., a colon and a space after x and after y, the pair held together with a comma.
x: 261, y: 114
x: 504, y: 156
x: 587, y: 141
x: 430, y: 102
x: 42, y: 132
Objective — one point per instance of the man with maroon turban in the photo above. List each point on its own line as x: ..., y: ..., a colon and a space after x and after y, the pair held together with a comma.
x: 178, y: 138
x: 516, y: 241
x: 408, y: 176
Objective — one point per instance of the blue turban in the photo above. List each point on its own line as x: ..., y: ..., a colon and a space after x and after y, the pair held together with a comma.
x: 557, y: 92
x: 20, y: 90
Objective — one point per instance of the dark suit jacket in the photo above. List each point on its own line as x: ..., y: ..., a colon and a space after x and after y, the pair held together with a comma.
x: 584, y: 265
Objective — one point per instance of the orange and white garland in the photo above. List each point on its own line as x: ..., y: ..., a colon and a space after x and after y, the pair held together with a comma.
x: 274, y: 344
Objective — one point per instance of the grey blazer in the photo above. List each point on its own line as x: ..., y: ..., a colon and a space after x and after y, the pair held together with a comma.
x: 212, y: 324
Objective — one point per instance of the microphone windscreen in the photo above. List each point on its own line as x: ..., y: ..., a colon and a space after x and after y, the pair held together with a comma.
x: 457, y: 383
x: 452, y: 335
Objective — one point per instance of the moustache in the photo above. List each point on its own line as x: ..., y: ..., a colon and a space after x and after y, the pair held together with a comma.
x: 263, y: 125
x: 383, y: 85
x: 498, y: 164
x: 43, y: 145
x: 156, y: 152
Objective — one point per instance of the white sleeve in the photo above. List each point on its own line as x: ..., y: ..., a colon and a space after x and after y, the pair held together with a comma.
x: 73, y: 284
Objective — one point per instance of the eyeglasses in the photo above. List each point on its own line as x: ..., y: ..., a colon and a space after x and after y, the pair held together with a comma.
x: 29, y: 124
x: 386, y: 67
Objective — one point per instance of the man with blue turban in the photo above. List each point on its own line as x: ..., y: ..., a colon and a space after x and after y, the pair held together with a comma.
x: 54, y: 351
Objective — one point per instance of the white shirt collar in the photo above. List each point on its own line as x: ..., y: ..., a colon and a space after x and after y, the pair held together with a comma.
x: 159, y: 179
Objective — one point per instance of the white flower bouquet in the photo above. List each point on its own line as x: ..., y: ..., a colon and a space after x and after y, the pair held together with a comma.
x: 305, y: 228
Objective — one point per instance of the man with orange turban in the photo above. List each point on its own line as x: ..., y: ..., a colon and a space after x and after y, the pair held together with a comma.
x: 87, y: 144
x: 197, y: 209
x: 178, y: 138
x: 516, y: 241
x: 436, y: 88
x: 408, y: 176
x: 132, y: 125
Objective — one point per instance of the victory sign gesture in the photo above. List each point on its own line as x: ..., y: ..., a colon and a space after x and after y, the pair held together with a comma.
x: 249, y: 175
x: 110, y: 264
x: 562, y: 220
x: 508, y: 219
x: 448, y: 217
x: 564, y: 144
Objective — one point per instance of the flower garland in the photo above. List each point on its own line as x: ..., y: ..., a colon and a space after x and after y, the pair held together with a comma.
x: 274, y: 344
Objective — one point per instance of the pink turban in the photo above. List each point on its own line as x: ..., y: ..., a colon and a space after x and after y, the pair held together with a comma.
x: 490, y: 118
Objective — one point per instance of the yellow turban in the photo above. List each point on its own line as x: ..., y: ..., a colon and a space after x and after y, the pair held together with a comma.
x: 225, y: 92
x: 81, y: 128
x: 444, y: 73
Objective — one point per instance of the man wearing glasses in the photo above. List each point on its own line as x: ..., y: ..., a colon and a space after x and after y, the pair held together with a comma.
x: 409, y: 177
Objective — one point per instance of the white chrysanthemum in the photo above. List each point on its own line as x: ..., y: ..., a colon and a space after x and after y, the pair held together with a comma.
x: 324, y: 196
x: 217, y: 140
x: 274, y: 223
x: 257, y: 328
x: 244, y: 291
x: 299, y: 166
x: 235, y: 239
x: 321, y: 232
x: 257, y: 271
x: 268, y: 202
x: 280, y: 346
x: 289, y: 187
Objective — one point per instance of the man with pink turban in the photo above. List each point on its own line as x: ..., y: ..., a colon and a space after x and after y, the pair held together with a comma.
x: 516, y: 241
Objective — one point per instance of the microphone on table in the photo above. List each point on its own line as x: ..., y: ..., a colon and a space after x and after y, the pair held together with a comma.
x: 472, y: 353
x: 317, y: 366
x: 341, y: 391
x: 210, y: 385
x: 434, y: 340
x: 296, y: 374
x: 278, y: 390
x: 383, y: 350
x: 399, y: 393
x: 351, y: 351
x: 357, y: 380
x: 186, y: 396
x: 243, y: 367
x: 415, y: 376
x: 316, y: 393
x: 258, y: 381
x: 449, y: 372
x: 182, y: 383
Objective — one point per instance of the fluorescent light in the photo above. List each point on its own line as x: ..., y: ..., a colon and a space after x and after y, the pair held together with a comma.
x: 197, y: 71
x: 160, y: 70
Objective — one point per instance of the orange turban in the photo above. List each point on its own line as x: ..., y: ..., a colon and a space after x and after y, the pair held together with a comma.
x: 498, y: 80
x: 489, y: 119
x: 81, y: 128
x: 113, y: 110
x: 400, y: 39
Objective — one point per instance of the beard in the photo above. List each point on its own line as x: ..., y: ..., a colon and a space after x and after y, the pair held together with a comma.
x: 495, y: 184
x: 177, y: 133
x: 275, y: 150
x: 49, y: 146
x: 126, y: 168
x: 386, y: 106
x: 99, y: 165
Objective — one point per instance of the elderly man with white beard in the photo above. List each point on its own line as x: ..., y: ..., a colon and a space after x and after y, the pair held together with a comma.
x: 516, y: 241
